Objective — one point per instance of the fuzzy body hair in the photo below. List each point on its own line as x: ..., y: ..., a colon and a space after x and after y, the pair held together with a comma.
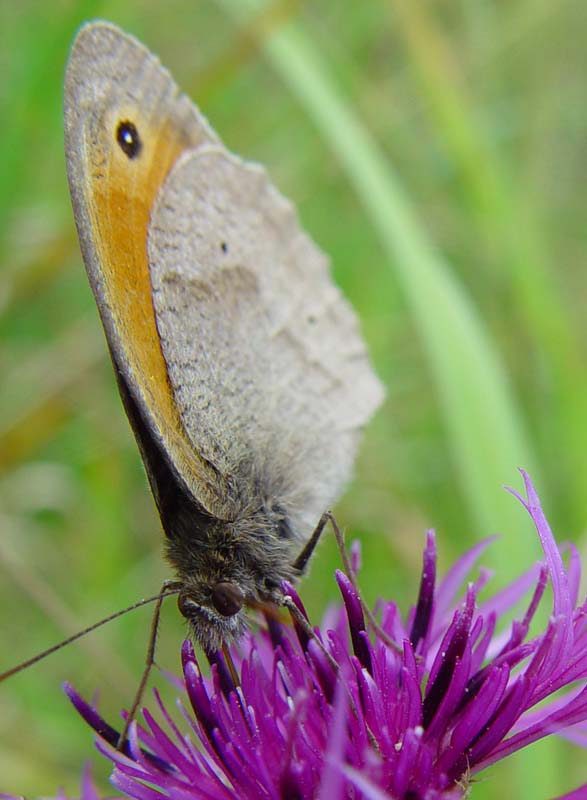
x: 255, y: 550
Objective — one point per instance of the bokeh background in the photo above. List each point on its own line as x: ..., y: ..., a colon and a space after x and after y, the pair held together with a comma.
x: 437, y: 150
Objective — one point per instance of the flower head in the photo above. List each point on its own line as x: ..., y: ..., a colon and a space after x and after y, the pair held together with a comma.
x: 413, y: 712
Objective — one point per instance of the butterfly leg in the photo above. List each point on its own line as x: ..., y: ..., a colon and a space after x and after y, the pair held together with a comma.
x: 348, y: 568
x: 168, y: 587
x: 301, y: 561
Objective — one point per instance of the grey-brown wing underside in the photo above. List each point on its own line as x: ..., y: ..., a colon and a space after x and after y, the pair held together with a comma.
x: 265, y: 358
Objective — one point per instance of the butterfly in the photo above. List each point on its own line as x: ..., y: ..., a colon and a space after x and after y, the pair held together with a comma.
x: 240, y: 365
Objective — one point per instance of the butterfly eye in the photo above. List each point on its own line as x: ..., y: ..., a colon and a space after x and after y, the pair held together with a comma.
x: 227, y: 598
x: 128, y: 138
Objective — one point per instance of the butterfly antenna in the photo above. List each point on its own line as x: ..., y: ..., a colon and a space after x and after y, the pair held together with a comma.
x: 40, y: 656
x: 302, y: 560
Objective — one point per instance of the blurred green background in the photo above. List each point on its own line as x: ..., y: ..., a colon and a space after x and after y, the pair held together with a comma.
x: 437, y: 151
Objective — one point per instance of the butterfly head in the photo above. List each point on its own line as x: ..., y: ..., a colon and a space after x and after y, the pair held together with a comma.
x: 215, y: 613
x: 227, y: 568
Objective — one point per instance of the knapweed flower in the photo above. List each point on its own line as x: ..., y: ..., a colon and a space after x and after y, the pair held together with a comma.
x: 412, y: 712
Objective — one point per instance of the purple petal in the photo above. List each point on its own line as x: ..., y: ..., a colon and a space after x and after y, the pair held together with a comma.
x: 331, y: 782
x: 425, y: 605
x: 578, y: 794
x: 451, y: 649
x: 558, y: 575
x: 356, y: 620
x: 456, y: 576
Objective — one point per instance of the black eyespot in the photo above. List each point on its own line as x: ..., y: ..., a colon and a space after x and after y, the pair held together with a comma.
x: 312, y: 319
x: 227, y: 598
x: 128, y: 138
x: 224, y: 247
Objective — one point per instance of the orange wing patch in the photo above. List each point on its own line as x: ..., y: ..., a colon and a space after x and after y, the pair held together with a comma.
x: 120, y: 196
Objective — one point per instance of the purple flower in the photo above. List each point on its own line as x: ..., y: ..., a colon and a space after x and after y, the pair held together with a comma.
x: 413, y: 712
